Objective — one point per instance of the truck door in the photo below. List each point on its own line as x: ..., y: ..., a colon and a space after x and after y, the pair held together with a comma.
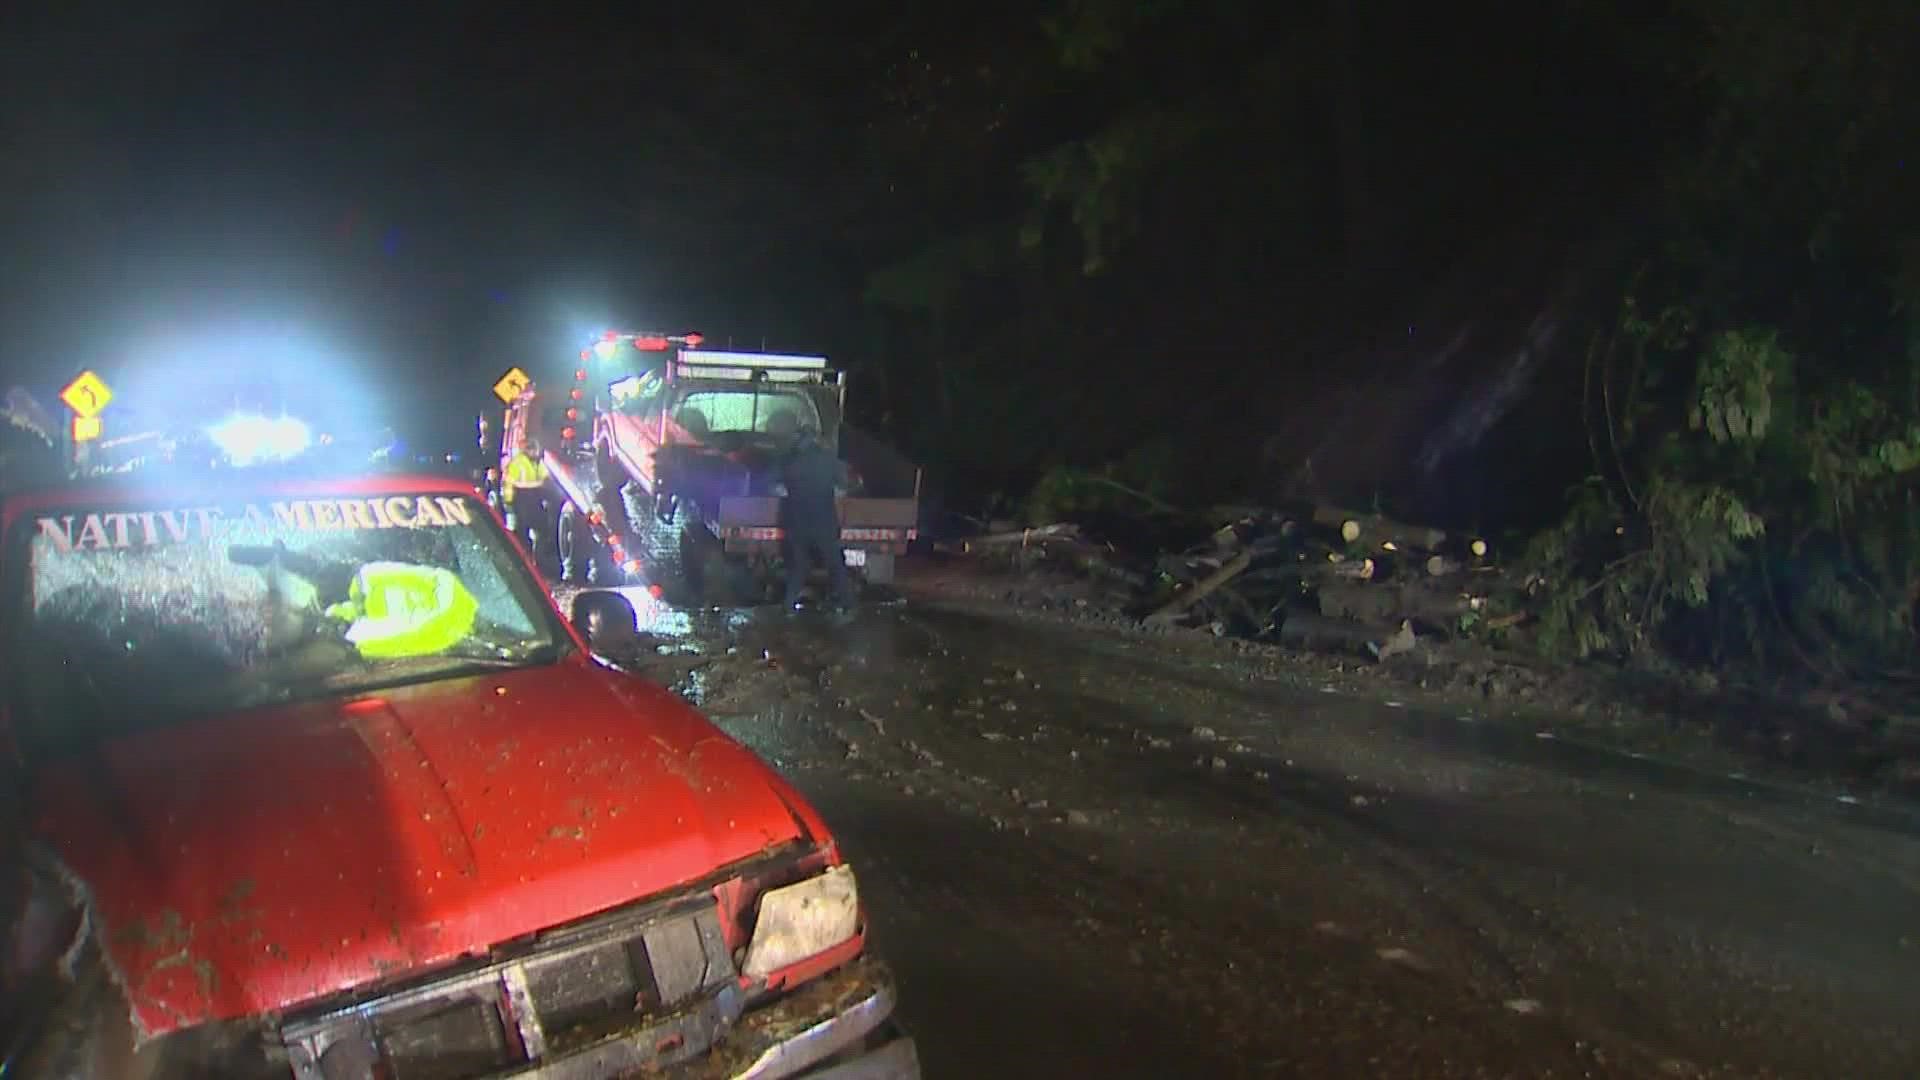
x: 631, y: 426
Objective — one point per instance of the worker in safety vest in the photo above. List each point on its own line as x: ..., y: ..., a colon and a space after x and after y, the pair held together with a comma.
x: 526, y: 496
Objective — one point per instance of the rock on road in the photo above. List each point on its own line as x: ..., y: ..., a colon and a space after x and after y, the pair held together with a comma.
x: 1093, y: 854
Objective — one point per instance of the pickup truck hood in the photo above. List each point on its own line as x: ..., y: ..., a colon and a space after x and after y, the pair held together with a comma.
x: 254, y: 861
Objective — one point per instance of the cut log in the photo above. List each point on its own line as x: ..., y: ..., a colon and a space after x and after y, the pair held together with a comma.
x: 1186, y: 598
x: 1372, y: 529
x: 1021, y: 537
x: 1235, y: 608
x: 1181, y: 568
x: 1404, y: 640
x: 1391, y: 603
x: 1151, y: 501
x: 1338, y: 569
x: 1466, y: 548
x: 1307, y: 630
x: 1094, y: 562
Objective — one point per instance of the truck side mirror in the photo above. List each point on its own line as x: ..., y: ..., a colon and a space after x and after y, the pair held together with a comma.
x: 607, y: 620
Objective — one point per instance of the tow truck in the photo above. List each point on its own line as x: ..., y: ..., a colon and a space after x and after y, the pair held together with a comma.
x: 668, y: 462
x: 307, y: 777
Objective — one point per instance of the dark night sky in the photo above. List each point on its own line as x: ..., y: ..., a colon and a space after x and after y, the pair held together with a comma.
x: 432, y: 189
x: 399, y: 201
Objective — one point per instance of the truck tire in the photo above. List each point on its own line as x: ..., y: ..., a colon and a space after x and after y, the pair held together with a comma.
x: 583, y: 558
x: 606, y: 616
x: 658, y: 547
x: 628, y: 514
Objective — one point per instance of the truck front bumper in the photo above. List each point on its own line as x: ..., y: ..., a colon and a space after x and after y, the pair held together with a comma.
x: 837, y: 1027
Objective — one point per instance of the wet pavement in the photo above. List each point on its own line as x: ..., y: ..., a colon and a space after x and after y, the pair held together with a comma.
x: 1092, y: 854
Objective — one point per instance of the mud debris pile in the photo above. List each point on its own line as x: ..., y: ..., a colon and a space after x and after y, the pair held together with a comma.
x: 1316, y: 578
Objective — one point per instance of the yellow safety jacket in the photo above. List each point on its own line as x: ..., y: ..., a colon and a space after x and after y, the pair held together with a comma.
x: 523, y: 471
x: 402, y: 610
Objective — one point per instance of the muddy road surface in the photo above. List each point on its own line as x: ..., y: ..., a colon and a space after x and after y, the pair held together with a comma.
x: 1094, y: 854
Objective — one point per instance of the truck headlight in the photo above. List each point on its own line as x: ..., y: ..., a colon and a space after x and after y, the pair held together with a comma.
x: 802, y: 920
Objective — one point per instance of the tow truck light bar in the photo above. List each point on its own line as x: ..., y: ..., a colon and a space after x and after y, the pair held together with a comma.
x: 609, y: 343
x: 756, y: 360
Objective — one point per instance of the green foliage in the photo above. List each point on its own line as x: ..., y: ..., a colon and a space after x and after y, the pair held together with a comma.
x: 1099, y: 179
x: 1087, y: 34
x: 1146, y: 477
x: 1733, y: 399
x: 1694, y: 534
x: 1689, y: 524
x: 928, y: 281
x: 1757, y: 443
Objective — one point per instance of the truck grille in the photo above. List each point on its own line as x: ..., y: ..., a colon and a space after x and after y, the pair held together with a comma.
x: 562, y: 990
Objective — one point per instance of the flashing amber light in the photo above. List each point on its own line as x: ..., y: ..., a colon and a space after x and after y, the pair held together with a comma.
x: 580, y: 375
x: 566, y: 433
x: 574, y: 393
x: 596, y: 517
x: 694, y: 340
x: 573, y: 414
x: 650, y: 344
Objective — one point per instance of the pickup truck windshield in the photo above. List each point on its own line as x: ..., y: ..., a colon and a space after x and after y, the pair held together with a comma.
x: 742, y: 411
x: 138, y: 615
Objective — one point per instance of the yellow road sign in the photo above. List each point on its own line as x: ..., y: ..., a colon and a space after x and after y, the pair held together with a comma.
x: 86, y: 428
x: 512, y: 385
x: 87, y: 394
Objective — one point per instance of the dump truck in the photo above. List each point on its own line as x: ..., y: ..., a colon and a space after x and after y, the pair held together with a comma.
x: 668, y: 455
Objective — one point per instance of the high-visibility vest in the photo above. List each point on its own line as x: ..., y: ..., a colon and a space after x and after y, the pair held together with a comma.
x: 401, y: 610
x: 523, y: 471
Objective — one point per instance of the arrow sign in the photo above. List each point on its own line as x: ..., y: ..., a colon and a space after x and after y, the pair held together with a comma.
x: 512, y: 385
x: 87, y: 395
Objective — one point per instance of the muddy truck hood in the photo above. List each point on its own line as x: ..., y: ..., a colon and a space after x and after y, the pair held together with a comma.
x: 254, y: 861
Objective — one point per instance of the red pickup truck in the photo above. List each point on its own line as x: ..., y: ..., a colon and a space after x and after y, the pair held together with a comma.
x: 311, y: 779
